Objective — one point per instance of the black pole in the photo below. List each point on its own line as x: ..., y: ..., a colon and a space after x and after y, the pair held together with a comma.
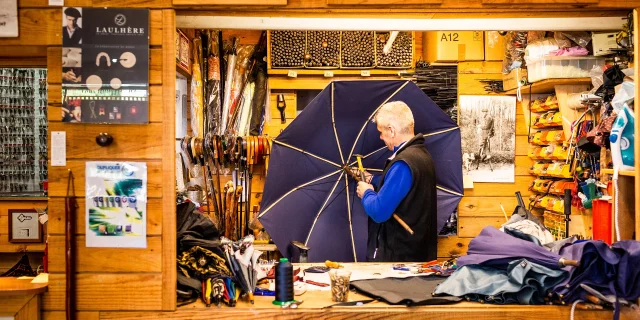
x: 567, y: 210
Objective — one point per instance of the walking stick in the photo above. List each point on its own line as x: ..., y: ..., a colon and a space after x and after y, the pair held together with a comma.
x: 70, y: 214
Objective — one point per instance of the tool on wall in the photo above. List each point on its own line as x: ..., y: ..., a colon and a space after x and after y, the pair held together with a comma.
x: 281, y: 105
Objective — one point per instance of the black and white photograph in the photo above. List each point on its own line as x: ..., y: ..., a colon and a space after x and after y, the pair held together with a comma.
x: 487, y: 125
x: 8, y: 18
x: 71, y: 26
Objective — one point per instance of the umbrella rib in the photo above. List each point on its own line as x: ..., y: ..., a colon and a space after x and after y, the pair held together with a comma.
x: 449, y: 191
x: 333, y: 121
x: 371, y: 116
x: 298, y: 188
x: 441, y: 131
x: 322, y: 207
x: 307, y: 153
x: 353, y: 243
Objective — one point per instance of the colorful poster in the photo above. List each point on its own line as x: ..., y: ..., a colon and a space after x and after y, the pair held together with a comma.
x: 488, y: 129
x: 105, y: 65
x: 116, y: 204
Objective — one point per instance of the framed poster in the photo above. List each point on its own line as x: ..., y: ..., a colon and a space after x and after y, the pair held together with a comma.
x: 105, y: 65
x: 488, y: 130
x: 116, y: 204
x: 24, y: 226
x: 8, y: 18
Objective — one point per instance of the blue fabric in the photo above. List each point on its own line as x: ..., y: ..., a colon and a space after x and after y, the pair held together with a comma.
x: 522, y: 282
x: 381, y: 205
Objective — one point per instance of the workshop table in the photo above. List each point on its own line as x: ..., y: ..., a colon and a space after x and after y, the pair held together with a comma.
x: 20, y: 299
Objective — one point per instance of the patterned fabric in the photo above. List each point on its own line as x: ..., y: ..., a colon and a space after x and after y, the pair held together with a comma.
x: 22, y: 268
x: 203, y: 262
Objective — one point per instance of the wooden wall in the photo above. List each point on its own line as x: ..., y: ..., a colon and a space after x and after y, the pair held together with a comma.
x: 10, y: 253
x: 108, y: 279
x: 480, y: 206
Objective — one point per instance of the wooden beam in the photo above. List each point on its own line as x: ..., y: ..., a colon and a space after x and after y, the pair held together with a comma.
x: 229, y: 2
x: 380, y: 2
x: 168, y: 301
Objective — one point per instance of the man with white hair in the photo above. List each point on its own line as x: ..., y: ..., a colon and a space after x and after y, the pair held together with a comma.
x: 407, y: 187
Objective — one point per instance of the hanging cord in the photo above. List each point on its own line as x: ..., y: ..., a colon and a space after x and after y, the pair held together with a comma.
x: 573, y: 308
x: 617, y: 196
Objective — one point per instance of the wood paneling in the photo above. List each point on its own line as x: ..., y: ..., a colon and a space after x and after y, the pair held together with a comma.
x: 168, y: 286
x: 469, y: 227
x: 486, y: 206
x: 230, y: 2
x: 107, y: 260
x: 61, y: 315
x: 54, y: 65
x: 494, y: 189
x: 57, y: 219
x: 452, y: 246
x: 58, y: 179
x: 54, y: 94
x: 129, y: 141
x: 117, y: 291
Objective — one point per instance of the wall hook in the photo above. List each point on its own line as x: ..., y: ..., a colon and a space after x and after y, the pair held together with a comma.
x: 104, y: 139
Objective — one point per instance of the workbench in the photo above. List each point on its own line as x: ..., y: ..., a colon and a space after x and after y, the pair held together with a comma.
x: 20, y: 299
x: 316, y: 306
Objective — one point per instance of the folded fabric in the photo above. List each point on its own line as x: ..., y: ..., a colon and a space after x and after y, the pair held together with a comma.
x: 628, y: 277
x: 531, y: 228
x: 523, y: 282
x: 412, y: 291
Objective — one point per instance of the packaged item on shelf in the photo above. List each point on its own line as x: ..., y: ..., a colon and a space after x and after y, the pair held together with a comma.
x: 540, y: 48
x: 603, y: 42
x: 562, y: 67
x: 515, y: 44
x: 493, y: 46
x: 448, y: 46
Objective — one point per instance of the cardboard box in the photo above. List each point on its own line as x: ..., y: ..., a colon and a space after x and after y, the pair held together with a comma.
x: 493, y: 46
x: 603, y: 43
x: 510, y: 81
x: 452, y: 46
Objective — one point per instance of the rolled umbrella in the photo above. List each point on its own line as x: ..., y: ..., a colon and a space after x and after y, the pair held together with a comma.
x: 307, y: 196
x: 493, y: 247
x: 226, y: 102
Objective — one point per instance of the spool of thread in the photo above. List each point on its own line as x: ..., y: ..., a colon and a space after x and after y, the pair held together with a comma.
x: 284, y: 282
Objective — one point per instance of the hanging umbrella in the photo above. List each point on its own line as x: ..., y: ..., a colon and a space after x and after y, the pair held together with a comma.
x: 493, y: 247
x: 307, y: 195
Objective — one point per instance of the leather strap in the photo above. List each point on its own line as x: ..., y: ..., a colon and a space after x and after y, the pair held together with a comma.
x: 266, y: 160
x: 260, y: 149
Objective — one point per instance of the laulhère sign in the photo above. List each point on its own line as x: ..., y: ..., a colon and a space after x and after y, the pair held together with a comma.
x: 105, y: 65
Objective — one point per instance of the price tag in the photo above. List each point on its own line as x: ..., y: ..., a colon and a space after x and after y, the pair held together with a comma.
x: 56, y: 2
x: 292, y: 74
x: 365, y: 73
x: 328, y: 74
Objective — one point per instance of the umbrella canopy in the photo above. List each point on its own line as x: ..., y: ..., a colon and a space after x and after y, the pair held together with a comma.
x: 307, y: 196
x: 495, y: 248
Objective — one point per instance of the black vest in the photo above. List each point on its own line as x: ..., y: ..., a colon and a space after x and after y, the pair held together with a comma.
x: 389, y: 241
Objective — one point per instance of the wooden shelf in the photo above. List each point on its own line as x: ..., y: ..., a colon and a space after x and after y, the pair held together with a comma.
x: 628, y: 173
x: 338, y: 72
x: 548, y: 86
x: 182, y: 71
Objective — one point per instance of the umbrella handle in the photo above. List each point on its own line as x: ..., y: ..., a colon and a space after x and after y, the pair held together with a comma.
x: 565, y: 262
x: 403, y: 224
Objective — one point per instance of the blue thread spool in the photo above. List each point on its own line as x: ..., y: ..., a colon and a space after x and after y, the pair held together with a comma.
x: 284, y: 282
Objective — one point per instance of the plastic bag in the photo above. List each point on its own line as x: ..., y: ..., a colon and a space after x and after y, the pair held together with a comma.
x: 535, y: 35
x: 596, y: 78
x: 493, y: 38
x: 581, y: 38
x: 540, y: 48
x: 625, y: 93
x: 515, y: 44
x: 196, y: 91
x: 562, y: 40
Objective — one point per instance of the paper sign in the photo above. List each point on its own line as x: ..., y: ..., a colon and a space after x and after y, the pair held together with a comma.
x: 59, y: 3
x: 292, y: 74
x: 116, y: 204
x: 328, y: 74
x: 365, y: 73
x: 58, y: 148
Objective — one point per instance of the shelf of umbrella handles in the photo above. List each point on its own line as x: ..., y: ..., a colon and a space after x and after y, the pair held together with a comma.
x: 228, y: 203
x: 558, y: 165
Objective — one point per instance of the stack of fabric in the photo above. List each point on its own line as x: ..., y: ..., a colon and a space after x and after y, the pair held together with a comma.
x: 501, y: 268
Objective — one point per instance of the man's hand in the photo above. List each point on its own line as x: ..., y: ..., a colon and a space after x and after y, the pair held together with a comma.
x: 367, y: 175
x: 362, y: 187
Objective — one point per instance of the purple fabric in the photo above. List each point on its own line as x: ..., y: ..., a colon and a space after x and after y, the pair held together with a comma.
x: 628, y: 281
x: 496, y: 248
x: 290, y: 214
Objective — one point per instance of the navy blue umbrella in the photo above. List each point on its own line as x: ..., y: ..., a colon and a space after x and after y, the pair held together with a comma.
x: 307, y: 195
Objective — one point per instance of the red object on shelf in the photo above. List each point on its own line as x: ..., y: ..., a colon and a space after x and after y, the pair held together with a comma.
x: 602, y: 221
